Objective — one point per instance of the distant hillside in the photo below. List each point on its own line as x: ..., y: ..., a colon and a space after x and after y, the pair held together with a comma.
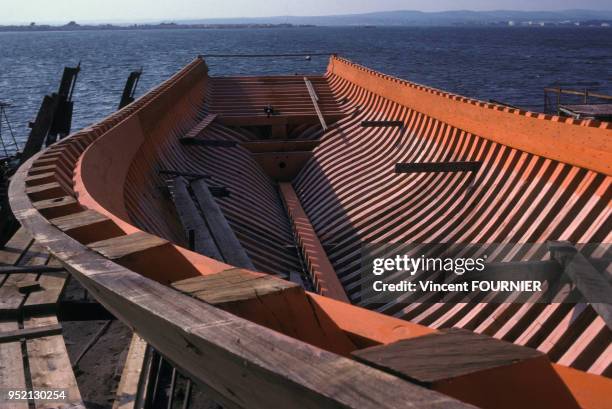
x: 419, y: 18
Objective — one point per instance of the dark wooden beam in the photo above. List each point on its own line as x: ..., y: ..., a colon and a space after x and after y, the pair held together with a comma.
x: 381, y: 124
x: 29, y: 269
x: 172, y: 172
x: 210, y: 143
x: 414, y: 167
x: 29, y: 333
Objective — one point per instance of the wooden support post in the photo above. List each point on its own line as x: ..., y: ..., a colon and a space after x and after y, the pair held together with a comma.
x: 40, y: 127
x: 127, y: 391
x: 127, y: 97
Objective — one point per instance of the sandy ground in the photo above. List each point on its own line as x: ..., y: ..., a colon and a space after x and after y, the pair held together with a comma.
x: 99, y: 369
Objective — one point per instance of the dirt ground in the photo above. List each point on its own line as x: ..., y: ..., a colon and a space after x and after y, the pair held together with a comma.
x: 99, y: 370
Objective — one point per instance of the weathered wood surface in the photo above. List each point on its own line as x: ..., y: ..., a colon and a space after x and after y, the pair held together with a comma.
x: 87, y: 225
x: 127, y: 390
x: 29, y: 333
x: 445, y: 355
x: 225, y: 238
x: 121, y: 246
x: 52, y: 286
x: 57, y: 207
x: 192, y: 220
x: 470, y: 366
x: 46, y: 355
x: 50, y: 366
x: 11, y: 299
x: 593, y: 285
x: 270, y: 301
x: 11, y: 366
x: 29, y: 269
x: 233, y: 286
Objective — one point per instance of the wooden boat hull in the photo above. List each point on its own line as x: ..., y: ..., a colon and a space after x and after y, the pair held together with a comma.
x: 94, y: 200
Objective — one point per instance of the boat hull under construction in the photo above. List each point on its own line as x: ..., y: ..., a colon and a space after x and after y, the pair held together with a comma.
x: 223, y: 219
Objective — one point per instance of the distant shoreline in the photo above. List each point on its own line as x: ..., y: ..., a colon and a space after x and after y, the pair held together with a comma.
x: 72, y: 26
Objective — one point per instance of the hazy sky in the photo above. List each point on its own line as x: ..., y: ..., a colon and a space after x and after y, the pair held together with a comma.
x: 135, y: 10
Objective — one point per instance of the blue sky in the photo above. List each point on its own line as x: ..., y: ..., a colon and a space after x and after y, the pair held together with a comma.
x: 13, y: 11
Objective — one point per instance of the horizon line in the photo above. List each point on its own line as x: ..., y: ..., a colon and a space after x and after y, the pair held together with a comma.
x: 160, y: 20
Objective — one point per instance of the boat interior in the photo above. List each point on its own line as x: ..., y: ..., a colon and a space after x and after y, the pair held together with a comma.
x: 206, y: 183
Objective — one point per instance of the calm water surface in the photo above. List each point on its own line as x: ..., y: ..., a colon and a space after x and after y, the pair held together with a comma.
x: 507, y: 64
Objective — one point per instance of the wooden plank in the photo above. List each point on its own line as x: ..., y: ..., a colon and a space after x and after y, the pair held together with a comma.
x: 46, y: 191
x: 413, y: 167
x: 467, y: 366
x: 118, y: 247
x: 30, y: 333
x: 444, y: 355
x: 288, y: 145
x: 201, y: 126
x: 11, y: 299
x: 594, y: 286
x: 269, y: 301
x: 88, y: 226
x: 321, y: 269
x: 315, y: 102
x: 381, y: 124
x: 128, y: 388
x: 52, y: 284
x: 230, y: 248
x: 50, y: 366
x: 148, y: 255
x: 192, y: 220
x: 11, y: 365
x: 57, y: 207
x: 29, y: 269
x: 15, y: 247
x: 233, y: 286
